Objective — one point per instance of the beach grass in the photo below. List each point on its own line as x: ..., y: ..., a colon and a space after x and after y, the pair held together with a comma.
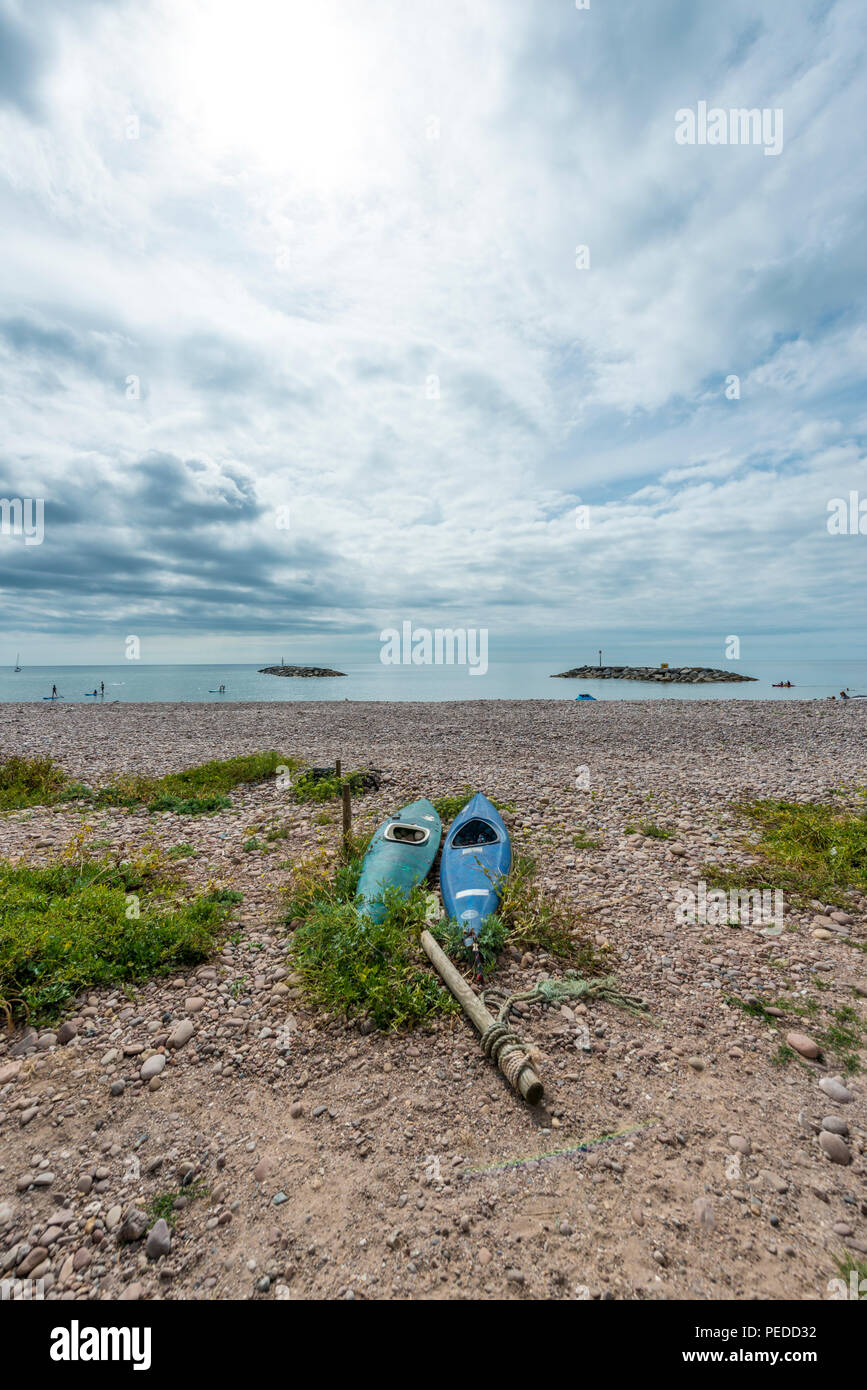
x: 353, y: 966
x: 74, y: 925
x: 449, y: 806
x: 309, y: 787
x: 34, y: 782
x: 200, y: 790
x: 809, y: 850
x: 538, y: 920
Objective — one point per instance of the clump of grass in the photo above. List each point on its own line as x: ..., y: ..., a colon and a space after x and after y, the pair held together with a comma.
x: 582, y: 841
x: 163, y: 1205
x: 197, y: 791
x: 34, y: 782
x: 492, y: 937
x: 355, y: 967
x: 783, y: 1056
x: 843, y: 1037
x: 655, y: 832
x: 808, y: 851
x: 847, y: 1265
x: 184, y: 851
x: 252, y: 844
x: 70, y: 926
x: 308, y: 787
x: 447, y: 807
x: 536, y: 920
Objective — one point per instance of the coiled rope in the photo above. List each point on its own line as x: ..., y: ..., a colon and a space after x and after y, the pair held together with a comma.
x: 501, y: 1043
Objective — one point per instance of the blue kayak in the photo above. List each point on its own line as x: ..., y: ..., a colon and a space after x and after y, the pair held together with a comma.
x: 400, y: 855
x: 585, y: 697
x: 476, y: 856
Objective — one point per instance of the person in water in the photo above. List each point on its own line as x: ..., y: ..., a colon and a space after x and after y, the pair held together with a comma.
x: 54, y: 691
x: 102, y: 687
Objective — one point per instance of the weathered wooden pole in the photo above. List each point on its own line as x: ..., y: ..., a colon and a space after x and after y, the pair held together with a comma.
x: 336, y: 767
x: 347, y: 815
x: 527, y: 1081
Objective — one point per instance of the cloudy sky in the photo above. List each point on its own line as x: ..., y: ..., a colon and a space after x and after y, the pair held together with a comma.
x: 295, y: 344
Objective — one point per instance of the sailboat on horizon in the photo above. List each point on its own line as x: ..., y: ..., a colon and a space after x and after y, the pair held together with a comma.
x: 17, y: 660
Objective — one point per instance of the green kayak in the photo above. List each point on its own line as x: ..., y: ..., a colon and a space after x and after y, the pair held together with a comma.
x: 399, y: 855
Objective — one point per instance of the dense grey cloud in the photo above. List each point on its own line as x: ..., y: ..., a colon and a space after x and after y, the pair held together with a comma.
x: 293, y: 338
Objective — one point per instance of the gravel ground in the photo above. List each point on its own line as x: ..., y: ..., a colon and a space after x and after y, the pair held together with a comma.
x: 310, y: 1160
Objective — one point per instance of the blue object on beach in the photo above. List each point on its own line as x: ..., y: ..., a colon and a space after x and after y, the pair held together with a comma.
x: 585, y: 697
x: 477, y: 855
x: 400, y: 855
x: 52, y: 697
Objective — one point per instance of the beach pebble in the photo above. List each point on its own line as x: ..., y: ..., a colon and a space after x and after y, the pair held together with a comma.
x: 181, y: 1033
x: 159, y: 1241
x: 803, y: 1044
x: 835, y: 1147
x: 833, y: 1087
x: 834, y: 1125
x: 153, y: 1066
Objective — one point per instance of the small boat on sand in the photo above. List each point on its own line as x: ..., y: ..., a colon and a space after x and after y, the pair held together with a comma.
x: 477, y: 855
x: 400, y: 855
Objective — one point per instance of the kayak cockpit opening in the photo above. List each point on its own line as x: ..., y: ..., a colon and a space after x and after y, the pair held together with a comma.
x: 475, y: 832
x: 405, y: 833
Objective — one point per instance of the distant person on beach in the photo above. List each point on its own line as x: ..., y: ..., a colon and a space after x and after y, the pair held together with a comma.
x: 843, y: 695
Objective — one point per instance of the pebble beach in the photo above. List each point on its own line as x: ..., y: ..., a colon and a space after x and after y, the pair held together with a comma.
x: 334, y: 1162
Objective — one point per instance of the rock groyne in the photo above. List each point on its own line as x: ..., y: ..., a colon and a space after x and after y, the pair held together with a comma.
x: 663, y: 675
x: 298, y: 671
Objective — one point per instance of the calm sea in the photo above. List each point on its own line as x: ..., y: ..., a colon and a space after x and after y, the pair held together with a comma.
x: 504, y: 680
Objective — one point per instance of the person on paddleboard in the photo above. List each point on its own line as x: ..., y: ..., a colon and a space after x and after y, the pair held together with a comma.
x: 54, y: 692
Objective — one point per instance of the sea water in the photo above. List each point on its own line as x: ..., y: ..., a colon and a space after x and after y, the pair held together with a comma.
x: 504, y: 680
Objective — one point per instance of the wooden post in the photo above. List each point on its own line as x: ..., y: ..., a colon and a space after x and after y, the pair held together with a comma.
x: 529, y: 1085
x: 336, y: 767
x: 347, y: 815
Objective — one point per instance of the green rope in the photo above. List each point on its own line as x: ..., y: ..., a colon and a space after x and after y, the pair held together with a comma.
x: 550, y: 992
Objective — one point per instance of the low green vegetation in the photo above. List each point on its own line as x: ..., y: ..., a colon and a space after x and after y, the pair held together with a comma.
x: 447, y: 807
x: 843, y: 1037
x: 197, y: 791
x: 34, y: 782
x: 848, y: 1265
x: 812, y: 851
x: 352, y: 966
x: 165, y: 1203
x: 582, y: 841
x: 492, y: 937
x: 655, y: 832
x: 74, y: 925
x: 308, y: 786
x: 538, y: 920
